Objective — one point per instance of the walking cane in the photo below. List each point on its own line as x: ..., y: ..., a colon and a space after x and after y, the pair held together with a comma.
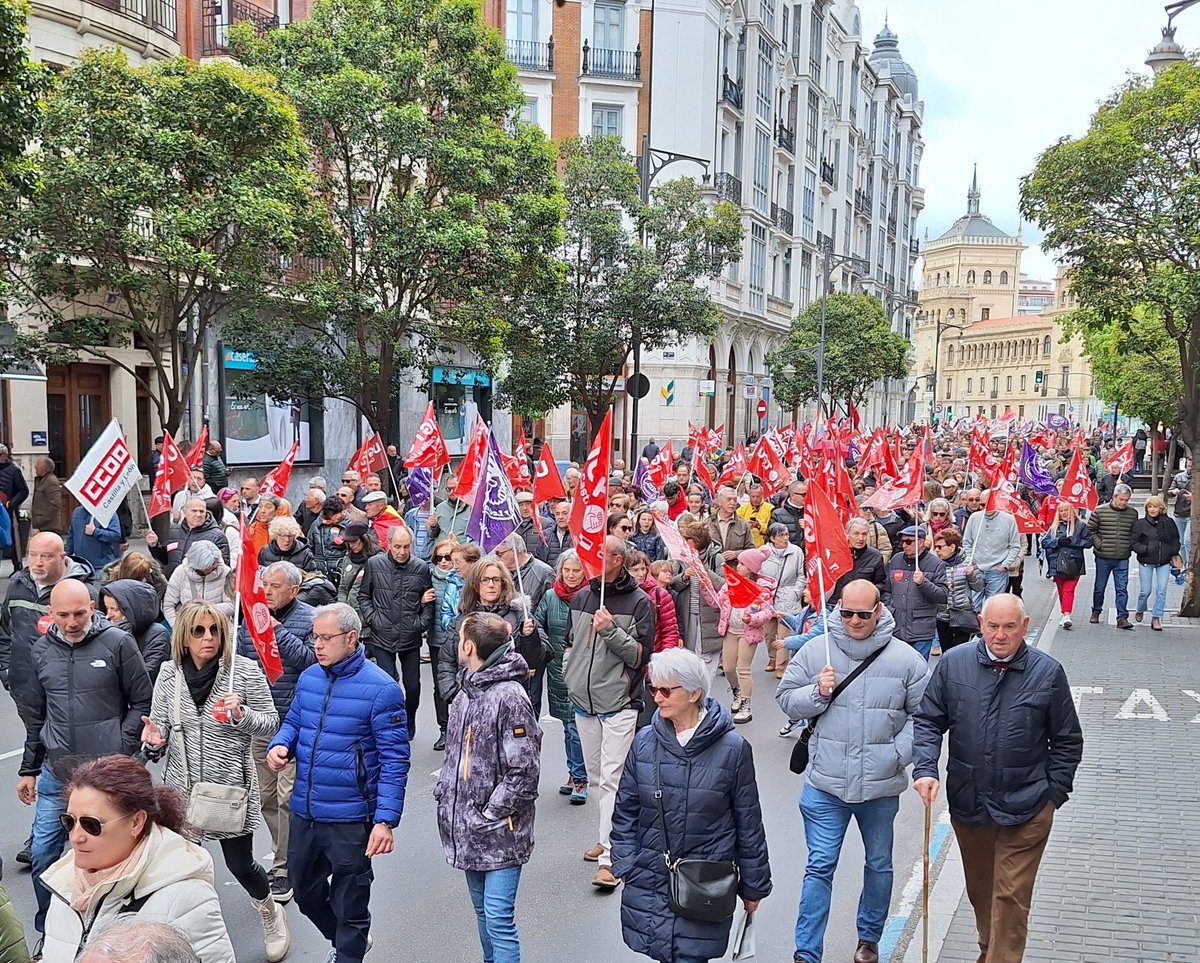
x: 925, y: 891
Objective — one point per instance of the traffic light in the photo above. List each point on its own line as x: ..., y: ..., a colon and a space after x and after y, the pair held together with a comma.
x: 1039, y: 377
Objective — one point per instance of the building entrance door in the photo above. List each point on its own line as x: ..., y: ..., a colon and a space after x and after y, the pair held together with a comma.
x: 79, y: 407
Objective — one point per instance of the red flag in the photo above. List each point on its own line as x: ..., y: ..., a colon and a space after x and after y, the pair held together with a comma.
x: 715, y: 437
x: 371, y: 457
x: 697, y: 438
x: 826, y: 551
x: 661, y: 466
x: 429, y: 446
x: 472, y: 464
x: 981, y: 461
x: 255, y: 611
x: 702, y: 473
x: 589, y: 514
x: 195, y: 457
x: 1009, y: 469
x: 872, y: 456
x: 679, y: 549
x: 547, y: 482
x: 172, y: 476
x: 907, y: 488
x: 1120, y: 461
x: 1003, y: 497
x: 1046, y: 440
x: 1078, y: 489
x: 854, y: 419
x: 737, y: 469
x: 517, y: 467
x: 768, y: 465
x: 743, y: 593
x: 275, y: 482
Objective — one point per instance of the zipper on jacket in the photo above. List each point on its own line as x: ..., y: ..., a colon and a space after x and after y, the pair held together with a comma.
x: 312, y: 765
x: 71, y: 696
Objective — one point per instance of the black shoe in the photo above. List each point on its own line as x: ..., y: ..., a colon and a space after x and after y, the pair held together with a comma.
x: 281, y: 889
x: 440, y: 745
x: 25, y: 857
x: 1124, y: 624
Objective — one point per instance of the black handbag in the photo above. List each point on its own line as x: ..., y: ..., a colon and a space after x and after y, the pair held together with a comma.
x: 1069, y: 564
x: 799, y: 760
x: 701, y: 890
x: 963, y: 620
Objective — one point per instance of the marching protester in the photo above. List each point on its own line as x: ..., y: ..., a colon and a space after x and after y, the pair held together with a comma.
x: 784, y: 565
x: 489, y: 779
x: 353, y: 790
x: 1155, y: 544
x: 992, y: 544
x: 202, y: 576
x: 957, y: 620
x: 196, y: 525
x: 1111, y: 526
x: 757, y: 514
x: 209, y: 703
x: 558, y: 535
x: 134, y: 606
x: 1014, y: 750
x: 287, y: 545
x: 88, y: 539
x: 743, y: 629
x: 327, y: 538
x: 869, y: 563
x: 46, y: 513
x: 1181, y: 491
x: 698, y: 611
x: 1064, y: 545
x: 133, y: 939
x: 728, y: 529
x: 361, y: 543
x: 917, y: 579
x: 790, y: 514
x: 442, y: 571
x: 645, y: 537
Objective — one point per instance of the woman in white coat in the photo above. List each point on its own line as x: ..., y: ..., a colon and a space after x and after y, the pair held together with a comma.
x: 127, y: 856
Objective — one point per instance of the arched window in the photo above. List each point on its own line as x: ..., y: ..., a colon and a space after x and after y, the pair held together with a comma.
x: 987, y: 277
x: 1004, y: 277
x: 950, y: 355
x: 1046, y: 347
x: 970, y: 277
x: 950, y: 315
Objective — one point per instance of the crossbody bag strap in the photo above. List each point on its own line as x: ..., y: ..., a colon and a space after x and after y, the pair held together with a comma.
x: 187, y: 776
x: 662, y: 816
x: 859, y: 670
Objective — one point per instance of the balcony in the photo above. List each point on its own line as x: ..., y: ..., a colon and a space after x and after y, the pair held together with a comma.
x: 530, y: 55
x: 785, y: 137
x: 160, y: 15
x: 729, y: 188
x: 612, y: 64
x: 824, y: 242
x: 914, y: 247
x: 733, y: 92
x: 782, y: 219
x: 827, y: 173
x: 863, y: 202
x: 219, y: 17
x: 891, y: 224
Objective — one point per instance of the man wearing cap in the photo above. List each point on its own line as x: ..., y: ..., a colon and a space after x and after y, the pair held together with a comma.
x: 526, y: 529
x: 917, y: 583
x: 992, y: 544
x: 380, y: 514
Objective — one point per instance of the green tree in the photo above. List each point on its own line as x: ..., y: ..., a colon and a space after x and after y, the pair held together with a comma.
x: 1121, y: 205
x: 1135, y: 364
x: 445, y: 212
x: 168, y: 195
x: 860, y: 348
x: 22, y: 83
x: 630, y: 273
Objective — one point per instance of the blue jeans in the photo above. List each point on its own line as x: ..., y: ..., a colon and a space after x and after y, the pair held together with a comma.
x: 494, y: 896
x: 49, y: 839
x: 993, y: 584
x: 574, y: 747
x: 1156, y: 577
x: 826, y: 819
x: 1184, y: 524
x: 925, y: 648
x: 1120, y: 576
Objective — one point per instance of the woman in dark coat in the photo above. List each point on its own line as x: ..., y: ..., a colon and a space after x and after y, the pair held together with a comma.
x: 645, y: 536
x: 710, y: 801
x: 287, y: 545
x: 1155, y: 541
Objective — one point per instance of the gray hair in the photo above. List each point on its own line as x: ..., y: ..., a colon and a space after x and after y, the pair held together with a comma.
x: 570, y: 555
x: 940, y: 503
x: 724, y: 491
x: 855, y: 522
x: 1122, y: 489
x: 318, y: 481
x: 347, y: 618
x: 290, y: 572
x: 45, y: 460
x: 3, y: 449
x: 284, y: 525
x: 135, y: 939
x: 1005, y: 597
x: 681, y: 666
x: 272, y: 500
x: 517, y: 545
x: 315, y: 492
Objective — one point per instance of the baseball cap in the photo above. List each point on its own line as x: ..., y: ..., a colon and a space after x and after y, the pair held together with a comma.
x: 374, y: 497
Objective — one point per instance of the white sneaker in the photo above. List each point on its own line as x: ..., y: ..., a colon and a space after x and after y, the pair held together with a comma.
x: 332, y: 957
x: 1066, y: 622
x: 275, y: 928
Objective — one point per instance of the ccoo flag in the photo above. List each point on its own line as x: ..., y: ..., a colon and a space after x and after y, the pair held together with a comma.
x: 105, y: 476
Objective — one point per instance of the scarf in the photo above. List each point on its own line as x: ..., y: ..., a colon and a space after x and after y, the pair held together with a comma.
x: 358, y: 557
x: 564, y: 592
x: 88, y: 881
x: 200, y: 682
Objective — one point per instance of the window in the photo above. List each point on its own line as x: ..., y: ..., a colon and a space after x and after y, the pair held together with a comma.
x: 985, y: 313
x: 987, y: 277
x: 949, y: 386
x: 607, y: 121
x: 1020, y: 411
x: 1046, y: 347
x: 1004, y: 277
x: 950, y: 355
x: 970, y: 277
x: 762, y: 168
x: 806, y: 268
x: 521, y: 21
x: 1008, y: 384
x: 785, y: 287
x: 950, y: 314
x: 1066, y: 377
x: 809, y: 205
x: 1023, y: 380
x: 816, y: 26
x: 814, y: 125
x: 609, y: 22
x: 529, y: 112
x: 970, y: 382
x: 995, y: 386
x: 768, y: 14
x: 783, y: 29
x: 758, y: 268
x: 765, y: 85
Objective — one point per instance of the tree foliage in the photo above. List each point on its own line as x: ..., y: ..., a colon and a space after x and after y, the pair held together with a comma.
x: 167, y: 196
x: 445, y: 212
x: 1121, y: 205
x: 22, y: 83
x: 575, y: 339
x: 860, y: 348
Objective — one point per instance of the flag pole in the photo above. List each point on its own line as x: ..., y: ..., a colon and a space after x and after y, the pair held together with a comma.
x: 237, y: 594
x: 824, y: 608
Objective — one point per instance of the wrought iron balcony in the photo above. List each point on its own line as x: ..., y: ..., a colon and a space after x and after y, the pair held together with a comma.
x: 220, y: 16
x: 785, y: 137
x: 530, y: 55
x: 827, y: 172
x: 914, y: 246
x: 161, y: 15
x: 782, y: 219
x: 862, y: 202
x: 891, y: 224
x: 612, y: 64
x: 733, y: 92
x: 729, y: 188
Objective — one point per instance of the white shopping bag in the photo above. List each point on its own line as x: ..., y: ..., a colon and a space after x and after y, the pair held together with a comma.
x: 743, y: 936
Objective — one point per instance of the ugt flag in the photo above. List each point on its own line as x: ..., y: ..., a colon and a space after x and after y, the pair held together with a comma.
x: 589, y: 514
x: 172, y: 476
x: 255, y: 611
x: 105, y: 476
x: 494, y: 513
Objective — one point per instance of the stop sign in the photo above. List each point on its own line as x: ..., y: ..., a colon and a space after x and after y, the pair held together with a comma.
x: 762, y: 409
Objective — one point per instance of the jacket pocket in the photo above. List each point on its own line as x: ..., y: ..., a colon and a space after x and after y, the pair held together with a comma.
x: 961, y: 792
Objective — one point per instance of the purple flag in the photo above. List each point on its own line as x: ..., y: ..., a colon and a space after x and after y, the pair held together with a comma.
x: 642, y: 482
x: 1057, y: 422
x: 494, y: 514
x: 1033, y: 474
x: 419, y: 483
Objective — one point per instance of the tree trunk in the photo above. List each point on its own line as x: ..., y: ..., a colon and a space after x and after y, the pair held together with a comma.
x: 1153, y: 452
x: 1190, y: 607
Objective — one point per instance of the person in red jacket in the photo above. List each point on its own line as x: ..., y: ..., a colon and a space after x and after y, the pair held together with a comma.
x: 666, y: 628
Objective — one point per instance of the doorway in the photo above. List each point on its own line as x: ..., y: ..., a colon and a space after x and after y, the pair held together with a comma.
x: 79, y: 408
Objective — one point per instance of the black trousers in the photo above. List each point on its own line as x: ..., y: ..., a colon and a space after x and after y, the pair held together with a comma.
x: 409, y: 677
x: 948, y: 638
x: 440, y: 709
x: 239, y: 857
x: 331, y: 876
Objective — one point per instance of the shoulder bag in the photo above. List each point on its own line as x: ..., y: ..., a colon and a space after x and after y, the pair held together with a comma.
x: 1069, y: 563
x: 799, y: 760
x: 212, y: 807
x: 702, y: 890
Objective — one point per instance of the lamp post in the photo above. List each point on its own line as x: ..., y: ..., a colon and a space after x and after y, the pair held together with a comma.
x: 894, y: 301
x: 831, y: 261
x: 937, y: 350
x: 1167, y: 52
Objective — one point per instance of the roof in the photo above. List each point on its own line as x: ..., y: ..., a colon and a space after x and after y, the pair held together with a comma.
x: 997, y: 324
x: 974, y: 225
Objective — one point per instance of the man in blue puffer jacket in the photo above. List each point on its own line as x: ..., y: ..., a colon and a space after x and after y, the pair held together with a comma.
x: 347, y: 732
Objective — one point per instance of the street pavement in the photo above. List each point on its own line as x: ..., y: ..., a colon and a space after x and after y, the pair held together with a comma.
x: 421, y: 910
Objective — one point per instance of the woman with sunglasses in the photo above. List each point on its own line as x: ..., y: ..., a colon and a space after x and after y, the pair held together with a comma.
x: 939, y: 515
x: 645, y: 536
x: 956, y: 620
x: 442, y: 571
x: 1064, y: 545
x: 208, y: 704
x: 709, y: 810
x: 619, y: 526
x: 128, y: 856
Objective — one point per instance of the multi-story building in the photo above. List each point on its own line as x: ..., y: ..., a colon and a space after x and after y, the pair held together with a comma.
x: 1034, y: 296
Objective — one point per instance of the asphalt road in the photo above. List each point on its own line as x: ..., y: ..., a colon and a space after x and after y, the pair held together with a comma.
x: 420, y: 906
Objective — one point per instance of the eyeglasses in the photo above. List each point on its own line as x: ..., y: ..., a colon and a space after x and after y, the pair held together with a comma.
x: 857, y: 614
x: 663, y: 690
x: 200, y: 631
x: 624, y: 528
x: 907, y: 541
x: 936, y: 514
x: 347, y: 481
x: 491, y: 580
x: 443, y: 558
x: 89, y: 824
x: 322, y: 638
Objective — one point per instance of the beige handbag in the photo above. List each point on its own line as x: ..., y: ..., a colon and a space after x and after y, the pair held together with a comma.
x: 212, y: 807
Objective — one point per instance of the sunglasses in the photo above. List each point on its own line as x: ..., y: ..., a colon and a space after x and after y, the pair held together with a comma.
x: 943, y: 514
x: 200, y: 631
x: 663, y: 690
x: 89, y: 824
x: 858, y: 614
x: 624, y: 528
x: 907, y: 541
x: 443, y: 558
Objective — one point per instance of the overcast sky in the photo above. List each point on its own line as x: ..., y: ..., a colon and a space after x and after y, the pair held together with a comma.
x: 1001, y: 81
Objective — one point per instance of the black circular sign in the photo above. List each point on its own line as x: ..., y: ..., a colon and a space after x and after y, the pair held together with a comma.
x: 638, y: 385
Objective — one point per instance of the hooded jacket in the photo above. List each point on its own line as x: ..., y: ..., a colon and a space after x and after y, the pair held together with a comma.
x: 172, y: 554
x: 188, y: 585
x: 389, y: 599
x: 300, y: 555
x: 489, y: 780
x: 863, y: 743
x: 143, y: 620
x: 604, y: 670
x: 25, y: 605
x: 172, y: 883
x: 85, y: 700
x: 347, y: 731
x: 915, y: 606
x: 710, y: 800
x: 786, y: 568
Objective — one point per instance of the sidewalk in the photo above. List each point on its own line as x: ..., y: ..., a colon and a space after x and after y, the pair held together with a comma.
x: 1120, y: 879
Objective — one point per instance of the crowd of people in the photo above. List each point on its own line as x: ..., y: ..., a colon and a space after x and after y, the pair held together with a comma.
x: 119, y: 660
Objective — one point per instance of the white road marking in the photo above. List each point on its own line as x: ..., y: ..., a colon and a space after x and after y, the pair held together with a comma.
x: 1143, y: 697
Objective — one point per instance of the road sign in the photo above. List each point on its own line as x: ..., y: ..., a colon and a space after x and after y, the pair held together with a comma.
x: 762, y: 409
x: 639, y: 385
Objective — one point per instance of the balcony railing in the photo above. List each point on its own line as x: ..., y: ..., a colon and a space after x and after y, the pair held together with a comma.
x: 824, y: 242
x: 161, y: 15
x: 827, y: 173
x: 782, y: 219
x: 914, y: 246
x: 613, y: 64
x: 530, y: 55
x: 862, y: 202
x: 219, y: 17
x: 729, y: 188
x: 891, y: 224
x: 733, y: 91
x: 785, y: 137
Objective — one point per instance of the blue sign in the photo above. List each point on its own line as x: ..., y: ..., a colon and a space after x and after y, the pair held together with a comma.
x: 37, y: 439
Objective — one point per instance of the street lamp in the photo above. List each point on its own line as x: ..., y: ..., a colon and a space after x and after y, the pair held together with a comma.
x: 937, y: 350
x: 831, y: 261
x: 1167, y: 51
x: 894, y: 301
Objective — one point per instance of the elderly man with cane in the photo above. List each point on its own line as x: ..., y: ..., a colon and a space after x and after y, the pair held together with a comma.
x: 1014, y: 747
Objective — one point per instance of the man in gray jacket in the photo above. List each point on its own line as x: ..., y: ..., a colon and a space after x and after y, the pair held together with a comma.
x: 533, y: 578
x: 859, y: 753
x: 992, y: 544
